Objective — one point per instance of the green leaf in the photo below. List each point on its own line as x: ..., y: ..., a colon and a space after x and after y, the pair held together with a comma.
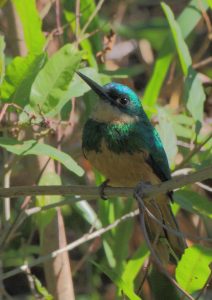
x: 31, y: 23
x: 134, y: 265
x: 32, y: 147
x: 19, y: 78
x: 209, y: 3
x: 194, y: 93
x: 192, y: 12
x: 50, y: 88
x: 78, y: 87
x: 2, y: 59
x: 43, y: 218
x: 119, y: 282
x: 42, y: 290
x: 167, y: 135
x: 182, y: 49
x: 193, y: 269
x: 88, y: 213
x: 193, y: 202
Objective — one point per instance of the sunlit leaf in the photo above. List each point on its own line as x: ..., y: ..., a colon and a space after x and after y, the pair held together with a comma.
x: 194, y: 93
x: 134, y: 265
x: 167, y: 135
x: 50, y: 89
x: 88, y: 213
x: 31, y: 23
x: 192, y: 12
x: 32, y: 147
x: 119, y: 282
x: 182, y: 49
x: 19, y: 77
x: 209, y: 3
x: 41, y: 289
x: 193, y: 269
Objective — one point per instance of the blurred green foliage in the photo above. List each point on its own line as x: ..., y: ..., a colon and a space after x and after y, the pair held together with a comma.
x: 37, y: 88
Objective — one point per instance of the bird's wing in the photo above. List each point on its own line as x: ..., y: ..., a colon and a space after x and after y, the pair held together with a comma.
x: 157, y: 158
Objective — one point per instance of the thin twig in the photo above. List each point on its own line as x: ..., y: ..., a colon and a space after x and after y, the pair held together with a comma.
x: 69, y: 247
x: 3, y: 111
x: 90, y: 191
x: 203, y: 63
x: 98, y: 7
x: 195, y: 150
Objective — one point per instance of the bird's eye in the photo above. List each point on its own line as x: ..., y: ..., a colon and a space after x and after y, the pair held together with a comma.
x: 122, y: 101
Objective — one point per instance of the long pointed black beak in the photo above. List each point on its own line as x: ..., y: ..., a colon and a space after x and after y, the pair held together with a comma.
x: 96, y: 88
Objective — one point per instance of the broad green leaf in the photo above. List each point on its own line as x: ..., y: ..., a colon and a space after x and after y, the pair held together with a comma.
x: 182, y: 131
x: 20, y: 74
x: 33, y: 147
x: 2, y: 59
x: 134, y: 265
x: 193, y: 269
x: 41, y: 289
x: 43, y: 218
x: 194, y: 93
x: 183, y: 125
x: 88, y: 213
x: 31, y: 23
x: 78, y: 87
x: 193, y: 202
x: 183, y: 119
x: 182, y: 49
x: 118, y: 281
x: 192, y: 12
x: 209, y: 3
x: 167, y: 135
x: 50, y: 88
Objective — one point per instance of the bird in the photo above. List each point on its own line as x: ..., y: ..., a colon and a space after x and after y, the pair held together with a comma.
x: 120, y: 142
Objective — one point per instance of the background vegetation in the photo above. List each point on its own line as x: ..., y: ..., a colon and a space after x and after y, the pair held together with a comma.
x: 162, y: 51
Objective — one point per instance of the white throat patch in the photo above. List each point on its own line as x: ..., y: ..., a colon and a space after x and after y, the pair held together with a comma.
x: 106, y: 113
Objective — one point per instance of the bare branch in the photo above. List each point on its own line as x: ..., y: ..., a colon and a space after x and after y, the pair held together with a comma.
x: 93, y: 192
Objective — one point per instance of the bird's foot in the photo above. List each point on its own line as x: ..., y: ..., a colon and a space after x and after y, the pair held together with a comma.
x: 102, y: 189
x: 139, y: 190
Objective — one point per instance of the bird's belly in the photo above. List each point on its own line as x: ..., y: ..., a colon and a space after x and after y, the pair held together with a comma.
x: 123, y: 169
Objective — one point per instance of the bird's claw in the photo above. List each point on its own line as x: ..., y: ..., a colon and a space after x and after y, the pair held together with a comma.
x: 102, y: 189
x: 140, y: 188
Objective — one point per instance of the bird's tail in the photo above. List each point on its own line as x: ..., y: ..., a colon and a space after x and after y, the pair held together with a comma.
x: 166, y: 244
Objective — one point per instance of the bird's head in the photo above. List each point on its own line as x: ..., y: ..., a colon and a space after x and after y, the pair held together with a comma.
x: 117, y: 102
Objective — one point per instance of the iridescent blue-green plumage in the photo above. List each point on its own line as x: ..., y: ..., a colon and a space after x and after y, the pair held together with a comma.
x: 122, y: 144
x: 128, y: 137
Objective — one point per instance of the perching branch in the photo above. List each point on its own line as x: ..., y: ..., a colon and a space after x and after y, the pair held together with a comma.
x: 93, y: 192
